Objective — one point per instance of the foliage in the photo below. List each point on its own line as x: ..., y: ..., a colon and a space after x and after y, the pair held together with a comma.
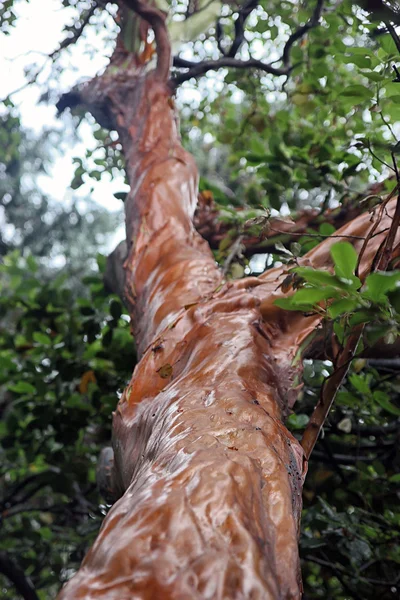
x: 320, y: 136
x: 341, y: 297
x: 351, y: 523
x: 62, y: 361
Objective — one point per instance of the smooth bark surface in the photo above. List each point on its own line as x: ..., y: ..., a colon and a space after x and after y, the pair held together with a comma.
x: 210, y: 478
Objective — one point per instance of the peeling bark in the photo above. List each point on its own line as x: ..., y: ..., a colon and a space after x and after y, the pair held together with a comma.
x: 210, y: 478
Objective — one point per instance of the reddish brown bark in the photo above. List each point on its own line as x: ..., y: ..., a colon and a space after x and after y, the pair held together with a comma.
x: 208, y: 223
x: 210, y: 478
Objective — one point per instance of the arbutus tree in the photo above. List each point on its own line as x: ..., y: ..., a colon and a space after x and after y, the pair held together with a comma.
x: 206, y: 477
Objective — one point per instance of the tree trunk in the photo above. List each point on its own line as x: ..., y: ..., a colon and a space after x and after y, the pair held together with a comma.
x: 210, y: 478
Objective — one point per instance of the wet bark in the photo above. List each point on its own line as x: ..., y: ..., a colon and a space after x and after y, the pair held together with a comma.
x: 209, y: 478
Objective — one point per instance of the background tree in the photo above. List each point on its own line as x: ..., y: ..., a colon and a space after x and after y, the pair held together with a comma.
x: 324, y: 152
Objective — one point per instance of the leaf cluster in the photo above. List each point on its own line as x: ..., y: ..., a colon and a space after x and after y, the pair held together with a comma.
x: 63, y: 359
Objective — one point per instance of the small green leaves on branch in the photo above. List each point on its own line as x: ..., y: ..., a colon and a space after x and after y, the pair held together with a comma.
x: 341, y: 297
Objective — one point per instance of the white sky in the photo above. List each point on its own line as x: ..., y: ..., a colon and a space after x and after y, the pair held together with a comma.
x: 38, y: 32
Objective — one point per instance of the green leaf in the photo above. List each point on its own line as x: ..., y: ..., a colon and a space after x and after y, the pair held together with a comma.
x: 297, y: 421
x: 363, y: 62
x: 347, y: 399
x: 373, y: 76
x: 345, y: 259
x: 378, y: 284
x: 361, y: 316
x: 286, y: 304
x: 317, y: 278
x: 32, y: 263
x: 311, y: 296
x: 121, y: 196
x: 360, y: 384
x: 101, y: 262
x: 383, y: 400
x: 340, y: 307
x: 357, y: 92
x: 41, y: 338
x: 386, y: 42
x: 22, y: 387
x: 326, y: 229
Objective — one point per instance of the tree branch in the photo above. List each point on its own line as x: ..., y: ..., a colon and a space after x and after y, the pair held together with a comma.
x: 394, y: 35
x: 196, y: 69
x: 156, y: 18
x: 240, y: 22
x: 301, y: 32
x: 15, y: 574
x: 38, y: 479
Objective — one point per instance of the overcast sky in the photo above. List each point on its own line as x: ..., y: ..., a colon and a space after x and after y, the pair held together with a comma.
x: 38, y: 33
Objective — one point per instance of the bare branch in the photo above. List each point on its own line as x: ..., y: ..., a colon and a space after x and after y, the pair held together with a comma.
x: 329, y: 390
x: 301, y: 32
x: 236, y: 250
x: 196, y: 69
x: 38, y: 479
x: 219, y: 31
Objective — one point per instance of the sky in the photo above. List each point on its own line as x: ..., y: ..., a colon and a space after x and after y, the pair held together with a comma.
x: 38, y: 33
x: 35, y: 36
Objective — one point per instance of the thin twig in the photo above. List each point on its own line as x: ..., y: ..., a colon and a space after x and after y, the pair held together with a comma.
x: 317, y: 235
x: 374, y: 227
x: 18, y: 487
x: 326, y: 563
x: 233, y: 252
x: 329, y: 390
x: 219, y: 32
x: 384, y: 261
x: 77, y: 32
x: 378, y: 158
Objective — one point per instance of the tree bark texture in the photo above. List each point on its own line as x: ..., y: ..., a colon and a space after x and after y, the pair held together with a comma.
x: 210, y: 480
